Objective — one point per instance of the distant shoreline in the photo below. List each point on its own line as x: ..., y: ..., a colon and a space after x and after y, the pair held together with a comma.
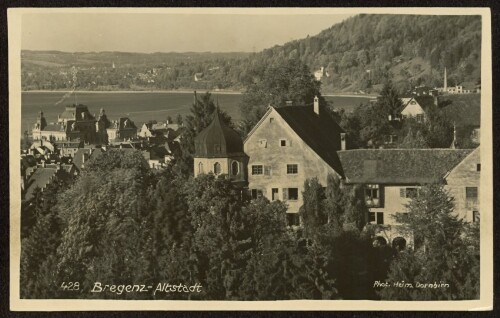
x: 133, y: 92
x: 371, y: 96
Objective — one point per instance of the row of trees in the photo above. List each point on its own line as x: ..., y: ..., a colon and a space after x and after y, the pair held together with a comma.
x: 121, y: 223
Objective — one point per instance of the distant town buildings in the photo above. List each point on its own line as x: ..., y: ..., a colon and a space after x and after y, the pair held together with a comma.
x: 318, y: 74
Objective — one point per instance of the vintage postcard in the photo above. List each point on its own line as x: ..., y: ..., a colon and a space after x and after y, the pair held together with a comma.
x: 250, y: 159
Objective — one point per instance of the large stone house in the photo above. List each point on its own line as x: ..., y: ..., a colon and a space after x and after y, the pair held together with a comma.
x: 289, y: 145
x: 74, y: 123
x: 416, y: 106
x: 391, y: 177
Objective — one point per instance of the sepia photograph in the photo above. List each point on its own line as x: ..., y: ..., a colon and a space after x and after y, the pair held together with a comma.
x: 239, y: 156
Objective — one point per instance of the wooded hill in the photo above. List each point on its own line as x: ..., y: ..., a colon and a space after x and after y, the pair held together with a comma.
x: 360, y: 53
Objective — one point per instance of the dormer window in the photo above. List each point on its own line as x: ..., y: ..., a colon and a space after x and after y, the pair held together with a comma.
x: 217, y: 149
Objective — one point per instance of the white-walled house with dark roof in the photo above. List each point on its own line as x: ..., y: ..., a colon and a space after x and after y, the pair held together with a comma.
x: 288, y: 146
x: 391, y: 177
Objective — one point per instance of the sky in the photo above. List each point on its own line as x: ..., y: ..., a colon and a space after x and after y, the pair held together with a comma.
x: 167, y: 32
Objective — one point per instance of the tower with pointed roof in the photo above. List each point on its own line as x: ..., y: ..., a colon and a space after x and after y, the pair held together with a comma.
x: 219, y: 150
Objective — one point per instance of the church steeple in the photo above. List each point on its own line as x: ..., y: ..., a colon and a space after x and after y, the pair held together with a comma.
x: 219, y: 150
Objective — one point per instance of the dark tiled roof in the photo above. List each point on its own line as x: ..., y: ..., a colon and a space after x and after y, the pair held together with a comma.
x: 217, y: 140
x: 321, y: 133
x: 40, y: 178
x: 399, y: 166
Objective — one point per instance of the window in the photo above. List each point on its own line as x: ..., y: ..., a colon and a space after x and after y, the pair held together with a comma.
x: 235, y: 168
x: 475, y: 216
x: 471, y: 192
x: 274, y: 194
x: 200, y: 168
x: 376, y: 217
x: 292, y: 169
x: 217, y: 168
x: 291, y: 194
x: 292, y: 219
x: 471, y: 195
x: 284, y: 143
x: 262, y: 143
x: 256, y: 193
x: 478, y: 167
x: 372, y: 195
x: 408, y: 192
x: 267, y: 170
x: 257, y: 169
x: 271, y: 120
x: 372, y: 217
x: 380, y: 217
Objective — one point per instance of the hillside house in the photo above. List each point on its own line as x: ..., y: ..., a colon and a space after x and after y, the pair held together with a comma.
x: 391, y: 177
x: 289, y: 145
x: 414, y: 107
x: 318, y: 74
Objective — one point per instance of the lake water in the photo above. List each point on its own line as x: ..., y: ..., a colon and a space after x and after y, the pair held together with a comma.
x: 139, y: 107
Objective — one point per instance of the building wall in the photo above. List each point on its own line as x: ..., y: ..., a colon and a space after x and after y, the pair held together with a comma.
x: 391, y: 203
x: 271, y: 154
x: 225, y: 163
x: 465, y: 175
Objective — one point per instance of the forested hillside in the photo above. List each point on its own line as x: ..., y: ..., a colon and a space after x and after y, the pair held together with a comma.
x: 359, y: 54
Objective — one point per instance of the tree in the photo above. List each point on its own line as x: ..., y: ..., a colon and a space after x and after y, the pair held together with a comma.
x: 202, y: 112
x: 179, y: 120
x: 104, y: 241
x: 222, y: 237
x: 38, y: 269
x: 286, y: 80
x: 413, y: 141
x: 445, y: 251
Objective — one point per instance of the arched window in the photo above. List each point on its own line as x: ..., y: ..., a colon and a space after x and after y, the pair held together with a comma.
x: 200, y: 168
x: 217, y: 168
x: 235, y: 168
x: 399, y: 243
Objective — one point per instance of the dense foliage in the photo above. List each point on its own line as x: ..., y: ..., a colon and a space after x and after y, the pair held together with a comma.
x: 360, y: 53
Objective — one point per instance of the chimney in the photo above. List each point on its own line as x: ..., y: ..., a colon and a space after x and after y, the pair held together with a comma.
x: 342, y: 141
x: 316, y: 105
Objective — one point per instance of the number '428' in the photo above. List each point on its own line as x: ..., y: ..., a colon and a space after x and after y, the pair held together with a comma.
x: 70, y: 286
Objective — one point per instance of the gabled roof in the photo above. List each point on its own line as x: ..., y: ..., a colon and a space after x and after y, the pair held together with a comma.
x: 320, y: 132
x: 399, y: 166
